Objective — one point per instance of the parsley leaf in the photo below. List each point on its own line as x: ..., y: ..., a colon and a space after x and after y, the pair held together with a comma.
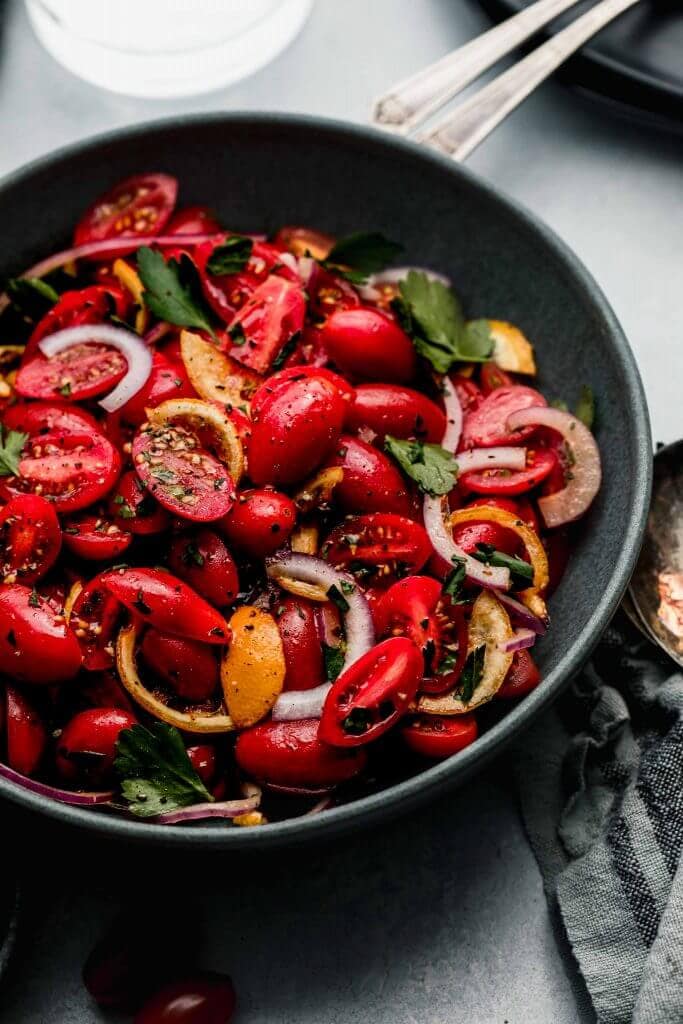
x: 472, y: 672
x: 230, y: 256
x: 429, y: 465
x: 455, y: 579
x: 334, y: 659
x: 10, y: 452
x: 31, y: 296
x: 335, y: 595
x: 585, y: 407
x: 357, y: 256
x: 487, y: 554
x: 171, y: 290
x: 155, y: 772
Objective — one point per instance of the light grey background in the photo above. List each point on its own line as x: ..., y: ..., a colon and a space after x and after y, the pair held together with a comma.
x: 440, y: 918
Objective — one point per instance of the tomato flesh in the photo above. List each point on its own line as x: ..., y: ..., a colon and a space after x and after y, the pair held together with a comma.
x: 36, y: 646
x: 272, y: 315
x: 408, y: 608
x: 379, y: 544
x: 137, y: 207
x: 133, y: 508
x: 95, y: 537
x: 438, y: 737
x: 292, y: 754
x: 486, y: 426
x: 30, y: 538
x: 204, y: 562
x: 539, y: 464
x: 80, y: 372
x: 95, y: 619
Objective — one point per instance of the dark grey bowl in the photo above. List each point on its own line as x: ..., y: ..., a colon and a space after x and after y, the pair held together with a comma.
x: 261, y: 171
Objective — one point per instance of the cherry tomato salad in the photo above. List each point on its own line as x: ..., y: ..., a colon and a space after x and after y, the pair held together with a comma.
x: 277, y: 522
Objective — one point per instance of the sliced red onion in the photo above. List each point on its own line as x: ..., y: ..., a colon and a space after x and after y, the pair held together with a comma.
x: 195, y: 812
x: 369, y: 291
x: 132, y: 346
x: 63, y: 796
x: 289, y: 260
x: 451, y: 402
x: 293, y: 705
x: 521, y: 614
x: 327, y: 619
x: 489, y: 576
x: 491, y: 458
x: 306, y: 268
x: 322, y: 805
x: 573, y: 500
x: 274, y: 787
x: 519, y: 641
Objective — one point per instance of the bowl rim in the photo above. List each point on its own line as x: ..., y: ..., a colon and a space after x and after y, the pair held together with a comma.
x: 420, y: 788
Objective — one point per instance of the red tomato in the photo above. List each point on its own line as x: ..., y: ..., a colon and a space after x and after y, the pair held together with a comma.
x: 94, y: 537
x: 408, y: 608
x: 199, y: 491
x: 291, y: 754
x: 80, y: 372
x: 523, y: 677
x: 276, y: 380
x: 486, y: 426
x: 226, y: 293
x: 87, y: 746
x: 30, y: 538
x: 71, y: 470
x: 450, y: 653
x: 94, y: 619
x: 469, y: 535
x: 270, y: 317
x: 556, y: 479
x: 296, y: 620
x: 492, y: 377
x: 469, y: 393
x: 367, y: 343
x: 203, y: 561
x: 304, y: 241
x: 259, y: 522
x: 204, y: 998
x: 379, y: 543
x: 134, y: 509
x: 204, y: 761
x: 558, y: 550
x: 167, y: 379
x: 135, y: 208
x: 189, y: 667
x: 297, y: 427
x: 401, y: 412
x: 370, y: 696
x: 103, y: 690
x: 26, y: 734
x: 540, y: 462
x: 371, y: 483
x: 437, y: 737
x: 39, y: 418
x: 242, y: 425
x: 36, y: 646
x: 327, y: 293
x: 168, y: 604
x: 92, y: 305
x: 193, y: 220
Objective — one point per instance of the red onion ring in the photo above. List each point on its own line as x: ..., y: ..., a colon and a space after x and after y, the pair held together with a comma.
x: 195, y: 812
x: 451, y: 402
x: 274, y: 787
x: 573, y: 500
x: 132, y: 346
x: 158, y: 332
x: 488, y: 576
x: 519, y: 641
x: 63, y: 796
x: 521, y: 614
x: 490, y: 458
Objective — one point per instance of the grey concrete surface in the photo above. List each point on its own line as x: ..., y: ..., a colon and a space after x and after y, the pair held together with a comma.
x: 440, y: 918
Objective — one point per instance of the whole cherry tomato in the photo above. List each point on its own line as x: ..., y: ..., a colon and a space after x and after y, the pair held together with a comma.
x: 26, y: 734
x: 134, y: 509
x: 523, y: 677
x: 276, y: 380
x: 87, y: 746
x: 399, y: 411
x: 137, y: 207
x: 371, y: 482
x: 438, y: 737
x: 203, y: 561
x: 259, y: 522
x: 167, y: 379
x: 291, y: 754
x: 36, y: 645
x: 189, y: 667
x: 204, y: 998
x: 272, y: 315
x: 39, y: 418
x: 30, y: 538
x: 368, y: 344
x: 486, y: 426
x: 297, y: 623
x: 379, y: 544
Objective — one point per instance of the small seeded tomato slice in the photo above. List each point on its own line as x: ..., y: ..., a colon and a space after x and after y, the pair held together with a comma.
x: 380, y: 543
x: 540, y: 462
x: 36, y: 645
x: 486, y: 426
x: 95, y: 537
x: 30, y: 538
x: 94, y: 618
x: 80, y: 372
x: 133, y: 508
x: 137, y: 207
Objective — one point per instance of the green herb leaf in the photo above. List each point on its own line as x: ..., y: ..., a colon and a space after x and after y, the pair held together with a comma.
x: 230, y: 256
x: 487, y: 554
x: 472, y: 673
x: 559, y: 403
x: 172, y: 291
x: 237, y: 335
x: 585, y: 407
x: 31, y: 296
x: 335, y: 595
x: 155, y: 772
x: 359, y: 255
x: 433, y: 468
x: 34, y: 599
x: 455, y: 579
x: 10, y: 451
x: 286, y: 351
x: 357, y: 722
x: 477, y: 342
x: 191, y: 554
x: 334, y: 659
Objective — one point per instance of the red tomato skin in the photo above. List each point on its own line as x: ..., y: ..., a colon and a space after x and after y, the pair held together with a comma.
x: 369, y: 345
x: 540, y: 462
x: 204, y: 998
x: 168, y: 604
x: 39, y: 418
x: 34, y: 646
x: 296, y: 430
x: 291, y: 754
x: 276, y: 380
x: 259, y: 522
x: 95, y: 544
x: 91, y: 305
x: 193, y: 220
x: 188, y: 666
x: 486, y: 426
x: 103, y: 690
x: 132, y: 496
x: 96, y: 606
x: 167, y: 380
x: 272, y: 315
x: 26, y: 734
x: 408, y: 606
x: 436, y: 737
x: 205, y: 563
x: 399, y: 411
x: 203, y: 760
x: 112, y: 214
x: 523, y: 677
x: 468, y: 391
x: 371, y: 483
x: 30, y: 538
x: 94, y: 731
x: 469, y: 535
x: 492, y: 377
x: 93, y: 369
x: 296, y: 621
x: 558, y: 550
x: 408, y: 544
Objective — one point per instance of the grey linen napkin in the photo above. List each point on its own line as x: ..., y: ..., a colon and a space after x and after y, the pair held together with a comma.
x: 600, y: 780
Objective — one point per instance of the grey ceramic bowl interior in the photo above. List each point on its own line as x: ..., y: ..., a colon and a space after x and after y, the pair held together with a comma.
x: 261, y: 171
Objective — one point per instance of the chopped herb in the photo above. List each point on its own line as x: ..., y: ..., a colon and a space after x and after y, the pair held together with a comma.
x: 10, y: 451
x: 73, y: 530
x: 230, y: 256
x: 34, y: 599
x: 447, y: 663
x: 357, y: 721
x: 65, y: 389
x: 585, y: 407
x: 455, y: 579
x: 155, y: 772
x: 472, y: 673
x: 192, y: 554
x: 431, y: 466
x: 172, y: 290
x: 237, y: 335
x: 31, y: 297
x: 124, y: 510
x: 487, y: 554
x: 559, y: 403
x: 217, y: 631
x: 334, y: 659
x: 286, y: 351
x: 166, y: 476
x: 357, y: 256
x: 141, y: 604
x: 347, y: 588
x: 336, y: 596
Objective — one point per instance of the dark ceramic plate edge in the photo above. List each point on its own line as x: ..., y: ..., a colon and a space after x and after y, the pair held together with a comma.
x: 421, y: 788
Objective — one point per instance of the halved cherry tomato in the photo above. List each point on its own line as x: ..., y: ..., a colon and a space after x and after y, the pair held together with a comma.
x: 297, y: 427
x: 328, y: 293
x: 193, y: 220
x: 167, y: 379
x: 437, y: 736
x: 137, y: 207
x: 291, y: 754
x: 203, y: 561
x: 70, y: 470
x: 492, y: 377
x: 297, y: 623
x: 368, y: 344
x: 370, y: 696
x: 103, y: 690
x: 523, y: 677
x: 30, y: 538
x: 36, y: 646
x: 468, y: 392
x: 402, y: 412
x: 188, y: 666
x: 294, y: 373
x: 378, y: 544
x: 80, y: 372
x: 168, y: 604
x: 304, y: 241
x: 134, y: 509
x: 226, y: 293
x: 87, y: 746
x: 270, y: 317
x: 540, y: 462
x: 92, y: 305
x: 39, y: 418
x: 486, y: 426
x: 259, y: 522
x: 201, y: 998
x: 26, y: 734
x: 408, y: 608
x: 95, y: 537
x: 95, y: 617
x: 371, y: 482
x: 450, y: 653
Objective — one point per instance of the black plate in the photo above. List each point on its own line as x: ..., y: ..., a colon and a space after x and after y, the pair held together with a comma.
x: 262, y: 171
x: 636, y: 62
